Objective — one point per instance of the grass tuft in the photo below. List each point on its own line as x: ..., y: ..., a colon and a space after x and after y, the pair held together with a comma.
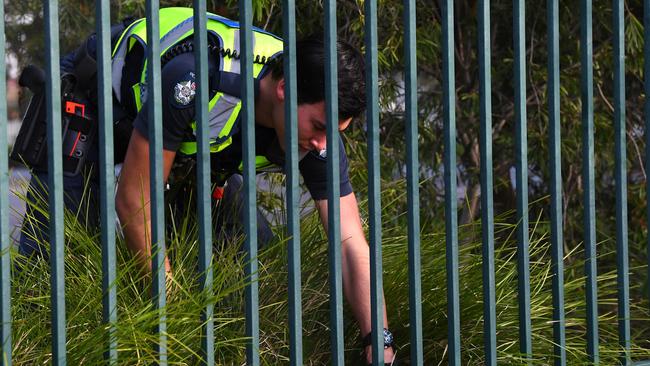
x: 87, y: 335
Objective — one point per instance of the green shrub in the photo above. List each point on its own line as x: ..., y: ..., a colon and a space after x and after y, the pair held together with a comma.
x: 86, y: 335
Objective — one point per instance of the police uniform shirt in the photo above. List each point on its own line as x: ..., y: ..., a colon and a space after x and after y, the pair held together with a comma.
x: 178, y: 91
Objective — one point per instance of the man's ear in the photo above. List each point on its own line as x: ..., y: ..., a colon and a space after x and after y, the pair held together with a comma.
x: 279, y: 89
x: 343, y: 124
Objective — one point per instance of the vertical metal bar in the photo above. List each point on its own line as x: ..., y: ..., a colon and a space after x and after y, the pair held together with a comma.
x: 487, y: 214
x: 248, y: 130
x: 589, y: 199
x: 107, y: 178
x: 374, y: 185
x: 412, y: 180
x: 55, y: 180
x: 646, y: 86
x: 204, y: 201
x: 333, y: 188
x: 293, y: 190
x: 622, y: 265
x: 451, y: 209
x: 154, y: 101
x: 557, y: 256
x: 5, y: 244
x: 523, y: 271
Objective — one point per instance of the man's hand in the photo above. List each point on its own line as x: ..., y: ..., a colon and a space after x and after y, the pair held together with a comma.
x: 132, y: 200
x: 356, y: 264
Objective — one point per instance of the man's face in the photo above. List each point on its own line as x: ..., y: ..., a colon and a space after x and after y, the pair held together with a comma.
x: 312, y: 127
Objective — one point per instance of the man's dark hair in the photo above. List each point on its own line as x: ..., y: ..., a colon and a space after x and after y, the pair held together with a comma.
x: 310, y: 68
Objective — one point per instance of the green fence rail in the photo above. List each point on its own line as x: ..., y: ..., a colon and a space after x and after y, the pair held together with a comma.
x: 557, y: 247
x: 205, y: 265
x: 204, y: 211
x: 646, y: 69
x: 107, y: 182
x: 333, y: 189
x: 55, y: 181
x: 5, y: 244
x: 412, y: 181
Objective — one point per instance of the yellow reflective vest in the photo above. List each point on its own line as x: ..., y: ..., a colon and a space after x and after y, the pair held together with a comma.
x: 176, y: 25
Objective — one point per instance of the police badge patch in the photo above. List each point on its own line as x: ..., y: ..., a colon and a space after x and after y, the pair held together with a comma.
x: 184, y: 92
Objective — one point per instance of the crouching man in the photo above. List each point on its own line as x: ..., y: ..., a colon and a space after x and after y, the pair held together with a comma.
x: 179, y: 130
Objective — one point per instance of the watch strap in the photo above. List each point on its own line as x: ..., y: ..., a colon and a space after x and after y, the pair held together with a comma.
x: 367, y: 341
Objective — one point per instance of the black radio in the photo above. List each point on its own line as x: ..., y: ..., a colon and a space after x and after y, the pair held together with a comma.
x: 78, y: 122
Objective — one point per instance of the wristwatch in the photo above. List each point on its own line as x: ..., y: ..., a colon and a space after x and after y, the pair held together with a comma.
x: 389, y: 340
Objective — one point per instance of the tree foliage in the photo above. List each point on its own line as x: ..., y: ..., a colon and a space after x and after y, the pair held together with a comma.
x: 25, y: 39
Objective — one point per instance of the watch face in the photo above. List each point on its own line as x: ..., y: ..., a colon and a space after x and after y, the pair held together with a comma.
x: 388, y: 338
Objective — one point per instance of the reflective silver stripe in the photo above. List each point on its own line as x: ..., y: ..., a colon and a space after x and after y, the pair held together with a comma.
x: 174, y: 35
x: 118, y: 60
x: 234, y: 65
x: 273, y: 168
x: 220, y: 114
x: 170, y: 38
x: 117, y: 66
x: 269, y: 169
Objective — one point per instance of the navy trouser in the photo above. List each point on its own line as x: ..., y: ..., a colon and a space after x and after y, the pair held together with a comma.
x: 231, y: 215
x: 228, y: 218
x: 36, y: 228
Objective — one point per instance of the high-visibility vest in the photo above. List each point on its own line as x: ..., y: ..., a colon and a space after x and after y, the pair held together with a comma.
x: 176, y: 24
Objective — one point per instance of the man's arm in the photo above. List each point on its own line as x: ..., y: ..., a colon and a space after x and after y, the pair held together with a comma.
x: 355, y: 263
x: 132, y: 200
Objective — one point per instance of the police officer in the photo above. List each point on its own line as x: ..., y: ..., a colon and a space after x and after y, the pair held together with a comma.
x: 179, y: 141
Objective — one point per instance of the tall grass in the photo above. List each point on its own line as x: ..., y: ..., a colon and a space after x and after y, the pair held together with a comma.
x: 86, y: 335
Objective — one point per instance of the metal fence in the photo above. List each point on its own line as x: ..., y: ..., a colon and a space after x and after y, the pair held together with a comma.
x: 110, y: 315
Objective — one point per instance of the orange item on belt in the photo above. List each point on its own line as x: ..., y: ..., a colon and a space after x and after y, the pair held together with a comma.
x: 217, y: 194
